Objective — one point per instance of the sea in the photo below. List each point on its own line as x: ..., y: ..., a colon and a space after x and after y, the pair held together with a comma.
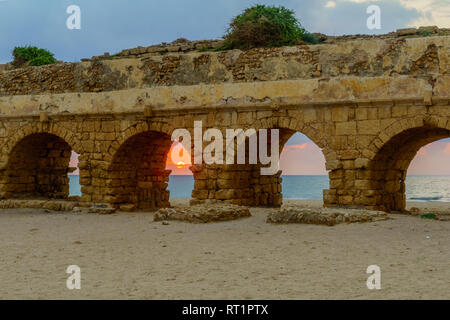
x: 418, y: 188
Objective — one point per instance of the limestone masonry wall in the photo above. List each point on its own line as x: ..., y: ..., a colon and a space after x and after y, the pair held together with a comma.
x: 368, y: 104
x: 418, y: 57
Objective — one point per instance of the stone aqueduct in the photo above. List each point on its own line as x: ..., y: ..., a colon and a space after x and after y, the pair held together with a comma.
x: 368, y: 104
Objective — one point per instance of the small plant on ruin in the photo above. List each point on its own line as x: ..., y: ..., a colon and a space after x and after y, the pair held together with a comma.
x: 265, y: 26
x: 429, y: 216
x: 310, y: 38
x: 32, y: 56
x: 425, y: 33
x: 205, y: 49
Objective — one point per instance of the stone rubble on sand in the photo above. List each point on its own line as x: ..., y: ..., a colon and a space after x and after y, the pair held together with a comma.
x: 56, y: 205
x: 203, y: 213
x: 440, y: 214
x: 323, y: 216
x: 101, y: 209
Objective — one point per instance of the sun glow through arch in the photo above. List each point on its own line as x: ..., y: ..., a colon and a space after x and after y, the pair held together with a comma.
x: 181, y: 162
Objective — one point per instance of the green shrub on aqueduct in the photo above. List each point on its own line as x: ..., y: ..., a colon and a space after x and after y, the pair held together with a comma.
x: 32, y: 56
x: 265, y: 26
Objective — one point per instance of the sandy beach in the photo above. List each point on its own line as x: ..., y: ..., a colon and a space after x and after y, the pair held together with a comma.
x: 128, y: 256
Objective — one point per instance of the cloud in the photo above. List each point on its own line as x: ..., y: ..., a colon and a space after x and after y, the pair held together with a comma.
x: 422, y: 152
x: 74, y: 162
x: 431, y: 12
x: 433, y: 159
x: 114, y: 25
x: 296, y: 146
x: 447, y: 149
x: 302, y: 159
x: 350, y: 17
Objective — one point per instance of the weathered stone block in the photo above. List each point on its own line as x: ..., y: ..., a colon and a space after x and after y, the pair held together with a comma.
x: 345, y: 128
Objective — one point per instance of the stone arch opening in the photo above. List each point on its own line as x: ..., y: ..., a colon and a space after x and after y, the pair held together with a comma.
x: 38, y: 167
x: 245, y: 184
x: 302, y: 163
x: 242, y: 182
x: 428, y: 176
x: 138, y: 175
x: 389, y: 167
x: 74, y: 176
x: 267, y: 189
x: 236, y: 180
x: 181, y: 179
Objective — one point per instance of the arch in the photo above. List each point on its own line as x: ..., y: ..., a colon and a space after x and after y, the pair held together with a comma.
x: 134, y: 129
x: 41, y: 127
x: 290, y: 125
x: 304, y: 174
x: 394, y: 149
x: 136, y: 174
x: 181, y: 179
x: 244, y: 184
x: 294, y: 125
x: 37, y: 166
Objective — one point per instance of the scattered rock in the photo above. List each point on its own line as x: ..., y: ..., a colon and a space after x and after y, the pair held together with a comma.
x: 407, y: 32
x: 320, y: 36
x: 414, y: 211
x: 323, y: 216
x: 128, y: 207
x: 52, y: 205
x: 179, y: 45
x: 101, y: 210
x: 442, y: 214
x: 203, y: 213
x: 431, y: 29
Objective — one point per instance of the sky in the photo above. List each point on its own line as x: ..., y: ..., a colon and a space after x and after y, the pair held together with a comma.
x: 114, y: 25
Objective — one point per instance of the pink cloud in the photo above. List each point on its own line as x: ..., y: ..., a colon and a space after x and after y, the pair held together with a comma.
x: 74, y: 163
x: 433, y: 159
x: 302, y: 159
x: 447, y: 148
x: 422, y: 152
x: 297, y: 146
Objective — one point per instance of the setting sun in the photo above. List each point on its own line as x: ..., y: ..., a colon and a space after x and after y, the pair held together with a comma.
x: 178, y: 160
x: 181, y: 165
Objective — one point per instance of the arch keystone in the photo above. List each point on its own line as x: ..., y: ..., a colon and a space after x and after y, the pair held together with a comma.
x: 428, y: 97
x: 43, y: 117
